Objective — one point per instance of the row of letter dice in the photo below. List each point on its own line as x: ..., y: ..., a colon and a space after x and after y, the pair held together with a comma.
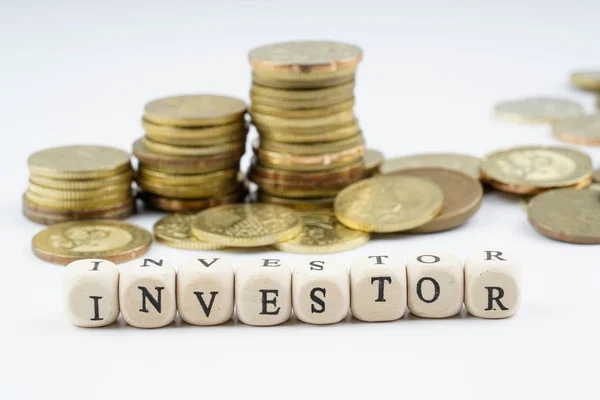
x: 149, y: 293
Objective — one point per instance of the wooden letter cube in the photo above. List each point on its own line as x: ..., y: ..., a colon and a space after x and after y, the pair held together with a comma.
x: 435, y: 285
x: 378, y: 288
x: 321, y: 291
x: 91, y: 292
x: 147, y: 293
x: 205, y: 291
x: 263, y: 292
x: 491, y: 284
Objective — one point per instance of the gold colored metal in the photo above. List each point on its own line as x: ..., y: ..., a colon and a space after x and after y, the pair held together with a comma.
x: 345, y: 90
x: 259, y: 109
x: 528, y: 169
x: 311, y: 148
x: 537, y: 110
x: 72, y: 204
x: 301, y: 104
x: 79, y: 162
x: 162, y: 178
x: 275, y: 81
x: 246, y: 225
x: 373, y: 159
x: 90, y: 184
x: 456, y: 162
x: 317, y: 162
x: 462, y: 197
x: 114, y: 241
x: 587, y: 80
x: 174, y: 231
x: 583, y: 130
x: 195, y: 110
x: 596, y: 176
x: 76, y: 195
x: 306, y: 204
x: 187, y: 205
x: 388, y: 203
x: 305, y: 57
x: 203, y: 136
x: 330, y: 122
x: 217, y: 188
x: 341, y: 133
x: 193, y: 151
x: 567, y: 215
x: 322, y: 233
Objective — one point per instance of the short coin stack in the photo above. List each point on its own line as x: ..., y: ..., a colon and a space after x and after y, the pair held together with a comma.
x: 189, y: 158
x: 311, y: 145
x: 79, y: 182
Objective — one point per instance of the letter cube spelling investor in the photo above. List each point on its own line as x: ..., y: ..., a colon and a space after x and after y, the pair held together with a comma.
x: 205, y: 291
x: 435, y: 285
x: 378, y: 288
x: 492, y: 284
x: 147, y: 293
x: 91, y: 292
x: 263, y: 292
x: 321, y: 291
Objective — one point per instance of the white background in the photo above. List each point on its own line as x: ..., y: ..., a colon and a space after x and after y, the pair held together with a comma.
x: 432, y: 71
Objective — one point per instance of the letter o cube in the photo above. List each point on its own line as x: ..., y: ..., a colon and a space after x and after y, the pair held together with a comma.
x: 377, y: 288
x: 321, y: 291
x: 435, y: 285
x: 263, y: 292
x: 147, y: 293
x: 91, y: 292
x: 491, y: 284
x: 205, y: 291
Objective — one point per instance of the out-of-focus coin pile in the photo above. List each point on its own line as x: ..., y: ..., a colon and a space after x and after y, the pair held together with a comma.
x: 310, y: 145
x: 79, y: 182
x: 189, y: 157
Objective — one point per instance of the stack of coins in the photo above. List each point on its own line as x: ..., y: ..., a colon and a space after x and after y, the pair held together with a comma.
x: 79, y: 182
x: 189, y: 158
x: 311, y: 145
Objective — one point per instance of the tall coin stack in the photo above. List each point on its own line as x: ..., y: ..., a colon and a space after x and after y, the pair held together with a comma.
x: 189, y: 158
x: 311, y: 145
x: 79, y: 182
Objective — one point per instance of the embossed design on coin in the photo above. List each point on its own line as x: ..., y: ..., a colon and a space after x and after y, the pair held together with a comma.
x: 567, y: 215
x: 322, y: 233
x: 174, y: 231
x: 305, y: 56
x: 110, y: 240
x: 581, y: 130
x: 194, y: 110
x: 457, y: 162
x: 462, y: 197
x: 246, y: 225
x: 537, y: 110
x: 525, y: 170
x: 388, y: 203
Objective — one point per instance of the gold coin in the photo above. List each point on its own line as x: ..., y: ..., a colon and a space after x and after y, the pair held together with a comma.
x: 299, y: 190
x: 309, y: 149
x: 456, y: 162
x: 187, y: 205
x: 174, y: 231
x: 50, y: 218
x: 267, y: 122
x: 75, y: 195
x: 184, y: 165
x: 288, y: 104
x: 462, y: 197
x: 194, y: 110
x: 388, y: 204
x: 349, y: 173
x: 260, y: 109
x: 190, y: 191
x: 316, y: 162
x: 306, y: 204
x: 305, y: 56
x: 82, y: 213
x: 594, y: 186
x: 316, y: 79
x: 373, y: 159
x: 586, y: 80
x: 246, y: 225
x: 275, y: 81
x: 596, y: 176
x: 567, y: 215
x: 166, y: 179
x: 322, y: 234
x: 93, y: 184
x: 528, y: 169
x: 114, y: 241
x: 193, y: 151
x: 203, y: 136
x: 73, y: 204
x: 347, y: 90
x: 537, y: 110
x: 531, y: 191
x: 341, y: 133
x: 79, y: 162
x: 580, y: 130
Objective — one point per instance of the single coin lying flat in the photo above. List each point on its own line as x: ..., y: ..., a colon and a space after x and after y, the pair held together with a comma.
x: 583, y: 130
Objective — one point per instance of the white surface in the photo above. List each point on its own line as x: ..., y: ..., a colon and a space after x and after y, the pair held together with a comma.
x: 72, y: 72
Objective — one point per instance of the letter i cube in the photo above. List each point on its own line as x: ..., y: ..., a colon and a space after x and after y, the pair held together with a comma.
x: 263, y: 292
x: 205, y: 291
x: 491, y: 284
x: 147, y: 293
x: 91, y: 292
x: 377, y: 288
x: 321, y: 291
